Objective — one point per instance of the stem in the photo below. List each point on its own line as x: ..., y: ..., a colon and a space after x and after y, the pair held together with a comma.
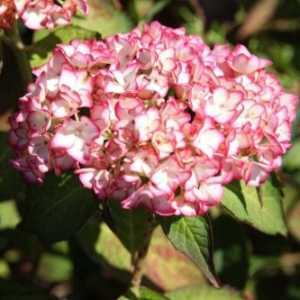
x: 199, y: 10
x: 13, y: 39
x: 117, y: 4
x: 139, y: 258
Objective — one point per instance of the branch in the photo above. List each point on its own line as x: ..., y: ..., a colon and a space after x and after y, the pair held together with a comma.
x: 13, y: 40
x: 139, y: 259
x: 284, y: 25
x: 199, y: 10
x: 259, y: 15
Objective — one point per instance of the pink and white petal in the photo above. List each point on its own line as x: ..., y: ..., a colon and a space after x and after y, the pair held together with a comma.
x: 209, y: 141
x: 78, y: 151
x: 61, y: 108
x: 63, y: 140
x: 39, y: 120
x: 254, y: 174
x: 86, y: 176
x: 211, y: 194
x: 147, y: 123
x: 162, y: 144
x: 89, y: 130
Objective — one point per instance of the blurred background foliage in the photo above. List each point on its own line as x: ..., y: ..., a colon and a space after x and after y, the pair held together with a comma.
x: 93, y: 264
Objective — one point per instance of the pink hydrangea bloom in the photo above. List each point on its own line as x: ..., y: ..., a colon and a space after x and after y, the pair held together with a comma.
x: 38, y: 14
x: 154, y: 118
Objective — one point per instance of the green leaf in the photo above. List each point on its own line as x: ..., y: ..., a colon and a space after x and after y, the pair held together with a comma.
x: 54, y: 268
x: 104, y: 18
x: 4, y: 269
x: 202, y: 292
x: 192, y: 236
x: 58, y: 208
x: 100, y: 243
x: 9, y: 216
x: 127, y: 298
x: 46, y: 41
x: 130, y: 226
x: 264, y: 263
x: 130, y: 295
x: 88, y: 238
x: 261, y: 208
x: 168, y: 268
x: 11, y: 290
x: 61, y: 247
x: 143, y: 294
x: 147, y: 294
x: 291, y: 161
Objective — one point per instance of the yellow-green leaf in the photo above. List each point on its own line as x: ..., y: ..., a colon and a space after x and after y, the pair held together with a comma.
x: 261, y: 208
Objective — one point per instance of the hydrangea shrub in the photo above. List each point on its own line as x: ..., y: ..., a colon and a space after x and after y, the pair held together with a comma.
x: 154, y: 118
x: 145, y: 129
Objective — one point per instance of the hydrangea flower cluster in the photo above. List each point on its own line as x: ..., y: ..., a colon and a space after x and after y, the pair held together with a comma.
x: 38, y: 14
x: 155, y: 118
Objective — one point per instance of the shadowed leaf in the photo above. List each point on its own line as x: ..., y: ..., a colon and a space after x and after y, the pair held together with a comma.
x: 130, y: 226
x: 231, y: 254
x: 10, y: 290
x: 58, y: 208
x: 9, y: 178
